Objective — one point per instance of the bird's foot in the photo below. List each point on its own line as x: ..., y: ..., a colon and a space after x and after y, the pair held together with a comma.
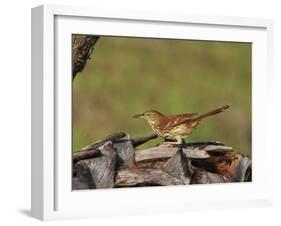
x: 169, y: 144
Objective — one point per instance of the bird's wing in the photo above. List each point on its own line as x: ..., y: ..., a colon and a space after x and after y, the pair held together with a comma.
x: 175, y: 120
x: 187, y: 115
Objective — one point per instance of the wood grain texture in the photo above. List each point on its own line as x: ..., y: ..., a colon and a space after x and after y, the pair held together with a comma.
x: 114, y: 162
x: 100, y: 171
x: 125, y: 153
x: 143, y: 139
x: 85, y: 155
x: 204, y: 177
x: 179, y: 167
x: 112, y: 137
x: 163, y: 152
x: 144, y: 177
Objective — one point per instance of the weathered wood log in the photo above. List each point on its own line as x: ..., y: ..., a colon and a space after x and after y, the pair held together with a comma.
x: 113, y: 162
x: 100, y: 171
x: 143, y: 139
x: 194, y: 152
x: 113, y: 138
x: 164, y: 152
x: 77, y: 156
x: 144, y: 177
x: 248, y: 174
x: 230, y: 165
x: 79, y: 183
x: 202, y: 143
x: 204, y: 177
x: 243, y: 169
x: 157, y: 164
x: 217, y: 148
x: 125, y: 153
x: 179, y: 166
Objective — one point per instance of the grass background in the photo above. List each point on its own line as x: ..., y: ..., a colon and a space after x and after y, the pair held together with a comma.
x: 127, y: 76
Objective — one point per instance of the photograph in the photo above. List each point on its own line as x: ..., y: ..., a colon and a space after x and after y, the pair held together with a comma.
x: 160, y: 112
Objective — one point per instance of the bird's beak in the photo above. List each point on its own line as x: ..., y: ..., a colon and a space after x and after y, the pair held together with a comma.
x: 138, y: 116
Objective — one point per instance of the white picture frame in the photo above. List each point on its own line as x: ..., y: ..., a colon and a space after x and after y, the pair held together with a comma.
x: 52, y: 197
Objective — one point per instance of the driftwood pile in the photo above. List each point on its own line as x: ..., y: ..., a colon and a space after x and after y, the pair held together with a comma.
x: 115, y: 162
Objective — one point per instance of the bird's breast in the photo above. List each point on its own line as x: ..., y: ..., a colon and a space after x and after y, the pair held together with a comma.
x: 156, y: 128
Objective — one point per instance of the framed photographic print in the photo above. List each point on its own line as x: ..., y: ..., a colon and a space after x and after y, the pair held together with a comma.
x: 137, y: 112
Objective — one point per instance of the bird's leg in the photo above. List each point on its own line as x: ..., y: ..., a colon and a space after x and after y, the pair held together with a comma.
x: 182, y: 143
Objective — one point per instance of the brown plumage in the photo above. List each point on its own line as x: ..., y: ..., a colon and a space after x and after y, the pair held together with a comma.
x: 175, y: 126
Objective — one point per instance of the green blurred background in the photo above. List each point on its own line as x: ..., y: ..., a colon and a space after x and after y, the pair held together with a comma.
x: 127, y: 76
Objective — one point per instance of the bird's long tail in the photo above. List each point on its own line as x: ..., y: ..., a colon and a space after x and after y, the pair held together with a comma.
x: 210, y: 113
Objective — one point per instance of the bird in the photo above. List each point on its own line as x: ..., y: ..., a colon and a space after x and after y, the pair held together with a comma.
x: 175, y: 127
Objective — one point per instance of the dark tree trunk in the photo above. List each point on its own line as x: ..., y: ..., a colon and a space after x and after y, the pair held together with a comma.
x: 82, y: 49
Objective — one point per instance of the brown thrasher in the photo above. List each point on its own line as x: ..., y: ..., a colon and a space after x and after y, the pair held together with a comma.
x: 175, y: 127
